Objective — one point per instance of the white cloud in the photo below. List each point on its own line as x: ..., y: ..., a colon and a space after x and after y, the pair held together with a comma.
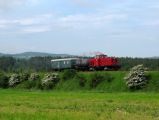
x: 4, y: 23
x: 84, y: 3
x: 151, y: 23
x: 38, y: 19
x: 70, y: 21
x: 35, y: 20
x: 7, y: 4
x: 2, y: 26
x: 35, y: 29
x: 33, y: 2
x: 91, y: 20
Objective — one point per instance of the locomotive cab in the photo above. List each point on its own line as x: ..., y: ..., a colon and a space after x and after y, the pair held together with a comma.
x: 101, y: 56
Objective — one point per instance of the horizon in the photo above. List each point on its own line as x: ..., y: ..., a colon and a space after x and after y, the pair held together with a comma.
x: 86, y: 54
x: 122, y: 28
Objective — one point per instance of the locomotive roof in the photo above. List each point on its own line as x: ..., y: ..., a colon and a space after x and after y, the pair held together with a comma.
x: 65, y: 59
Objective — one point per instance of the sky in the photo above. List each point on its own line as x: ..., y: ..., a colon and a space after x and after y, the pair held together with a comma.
x: 80, y: 27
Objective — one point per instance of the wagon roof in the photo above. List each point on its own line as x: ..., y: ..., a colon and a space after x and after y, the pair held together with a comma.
x: 64, y: 59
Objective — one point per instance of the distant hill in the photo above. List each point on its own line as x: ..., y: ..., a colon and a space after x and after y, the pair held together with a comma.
x: 156, y: 57
x: 27, y: 55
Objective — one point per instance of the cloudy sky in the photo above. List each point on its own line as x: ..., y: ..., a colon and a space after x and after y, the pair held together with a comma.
x: 114, y: 27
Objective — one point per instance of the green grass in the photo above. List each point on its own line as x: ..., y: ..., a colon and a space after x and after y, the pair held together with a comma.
x: 112, y: 81
x: 153, y: 84
x: 117, y: 84
x: 55, y: 105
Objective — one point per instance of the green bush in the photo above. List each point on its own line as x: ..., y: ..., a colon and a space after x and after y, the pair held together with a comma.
x: 38, y: 84
x: 3, y: 80
x: 24, y: 76
x: 108, y: 77
x: 81, y: 79
x: 96, y: 78
x: 68, y: 74
x: 25, y: 85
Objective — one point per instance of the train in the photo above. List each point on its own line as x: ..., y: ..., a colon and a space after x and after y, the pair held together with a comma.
x: 99, y: 62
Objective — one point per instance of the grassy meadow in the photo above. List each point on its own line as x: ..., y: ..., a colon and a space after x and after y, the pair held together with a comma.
x: 55, y: 105
x: 70, y: 99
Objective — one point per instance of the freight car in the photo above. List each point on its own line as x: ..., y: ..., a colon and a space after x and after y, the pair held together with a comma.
x: 99, y: 62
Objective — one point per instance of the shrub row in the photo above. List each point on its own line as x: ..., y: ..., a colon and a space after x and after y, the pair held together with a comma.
x: 28, y: 81
x: 49, y: 81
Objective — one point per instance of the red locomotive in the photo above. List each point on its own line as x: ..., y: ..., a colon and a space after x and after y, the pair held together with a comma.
x: 102, y: 62
x: 99, y: 62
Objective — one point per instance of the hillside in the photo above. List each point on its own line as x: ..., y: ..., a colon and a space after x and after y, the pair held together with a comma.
x: 112, y: 82
x: 27, y: 55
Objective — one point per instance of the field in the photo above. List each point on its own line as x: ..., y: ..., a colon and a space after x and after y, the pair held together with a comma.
x: 55, y: 105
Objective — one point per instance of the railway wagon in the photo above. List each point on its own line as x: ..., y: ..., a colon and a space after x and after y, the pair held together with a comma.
x: 60, y: 64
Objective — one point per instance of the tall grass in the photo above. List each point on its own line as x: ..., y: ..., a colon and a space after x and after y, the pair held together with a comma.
x: 103, y: 81
x: 23, y: 105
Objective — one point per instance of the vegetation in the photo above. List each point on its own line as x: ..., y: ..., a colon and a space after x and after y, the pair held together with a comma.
x: 97, y: 78
x: 43, y: 64
x: 3, y: 80
x: 50, y: 80
x: 96, y: 96
x: 127, y: 63
x: 14, y: 80
x: 68, y: 74
x: 37, y: 105
x: 34, y: 77
x: 136, y: 79
x: 82, y: 81
x: 24, y: 76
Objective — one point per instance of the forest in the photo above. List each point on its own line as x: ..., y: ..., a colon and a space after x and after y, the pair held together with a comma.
x: 43, y: 64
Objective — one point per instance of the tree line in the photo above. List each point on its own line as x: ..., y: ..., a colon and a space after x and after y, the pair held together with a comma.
x: 34, y: 64
x: 150, y: 63
x: 41, y: 64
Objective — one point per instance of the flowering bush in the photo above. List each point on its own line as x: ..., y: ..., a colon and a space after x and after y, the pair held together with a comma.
x: 34, y: 77
x: 50, y: 80
x: 136, y: 78
x: 14, y: 80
